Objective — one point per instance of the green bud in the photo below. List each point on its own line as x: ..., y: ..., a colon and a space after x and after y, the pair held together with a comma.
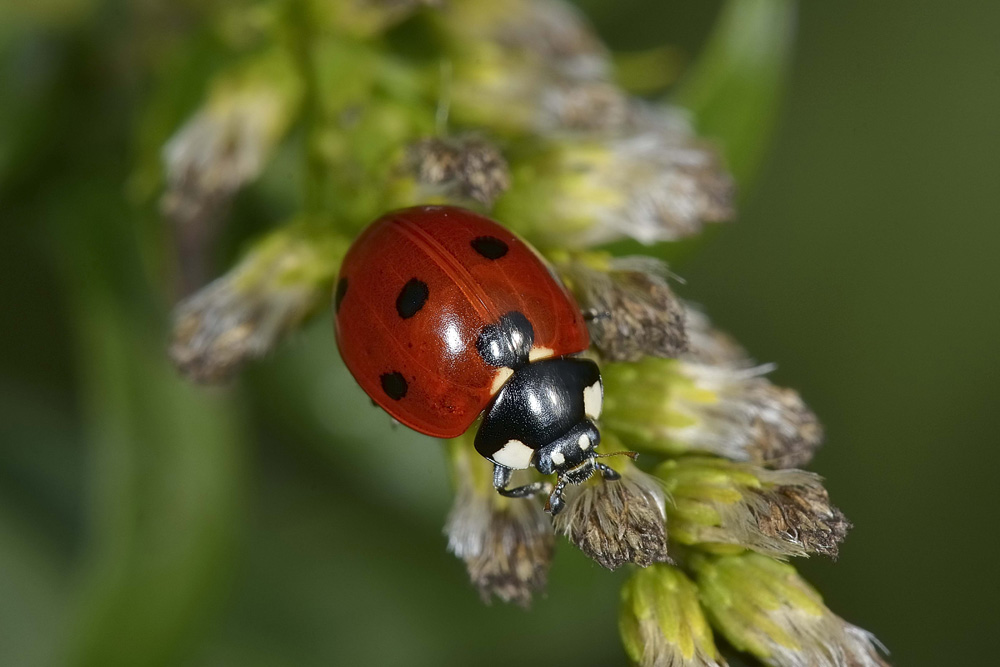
x: 776, y: 512
x: 506, y: 543
x: 652, y: 181
x: 677, y: 407
x: 662, y: 623
x: 617, y: 522
x: 764, y: 607
x: 631, y: 310
x: 284, y: 278
x: 365, y: 18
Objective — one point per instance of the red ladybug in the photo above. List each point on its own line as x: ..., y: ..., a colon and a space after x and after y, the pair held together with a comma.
x: 443, y: 315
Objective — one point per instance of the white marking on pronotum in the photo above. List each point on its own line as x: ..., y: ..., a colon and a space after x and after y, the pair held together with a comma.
x: 593, y: 400
x: 558, y: 458
x: 584, y: 442
x: 500, y: 379
x: 514, y: 454
x: 540, y: 353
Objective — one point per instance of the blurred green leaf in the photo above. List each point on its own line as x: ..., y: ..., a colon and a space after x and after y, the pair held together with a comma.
x: 735, y: 87
x: 166, y: 480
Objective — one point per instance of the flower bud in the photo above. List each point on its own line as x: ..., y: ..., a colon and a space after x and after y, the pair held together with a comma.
x: 650, y: 184
x: 617, y: 522
x: 661, y: 621
x: 764, y: 607
x: 285, y: 277
x: 710, y: 346
x: 506, y: 543
x: 552, y: 32
x: 677, y: 407
x: 366, y: 18
x: 514, y: 96
x: 458, y: 169
x: 227, y: 142
x: 776, y: 512
x: 528, y: 66
x: 631, y: 310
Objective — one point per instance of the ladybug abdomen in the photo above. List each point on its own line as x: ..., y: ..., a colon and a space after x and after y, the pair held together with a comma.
x: 416, y: 292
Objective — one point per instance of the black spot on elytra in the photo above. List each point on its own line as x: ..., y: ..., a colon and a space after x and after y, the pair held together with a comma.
x: 411, y: 298
x: 338, y: 295
x: 394, y: 385
x: 489, y: 247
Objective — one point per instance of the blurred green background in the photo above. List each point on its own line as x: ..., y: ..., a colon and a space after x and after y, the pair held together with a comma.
x: 282, y: 521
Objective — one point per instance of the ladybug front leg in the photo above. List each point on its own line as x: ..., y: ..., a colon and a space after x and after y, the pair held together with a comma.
x: 501, y: 478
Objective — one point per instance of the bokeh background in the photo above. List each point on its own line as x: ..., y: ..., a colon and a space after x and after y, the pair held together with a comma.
x: 282, y: 521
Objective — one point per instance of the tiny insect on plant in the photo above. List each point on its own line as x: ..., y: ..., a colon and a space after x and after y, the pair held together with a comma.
x: 443, y: 315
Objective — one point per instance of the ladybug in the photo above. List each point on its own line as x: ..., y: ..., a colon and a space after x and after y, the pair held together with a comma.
x: 443, y: 315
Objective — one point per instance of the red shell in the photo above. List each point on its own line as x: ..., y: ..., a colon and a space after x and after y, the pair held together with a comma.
x: 445, y: 381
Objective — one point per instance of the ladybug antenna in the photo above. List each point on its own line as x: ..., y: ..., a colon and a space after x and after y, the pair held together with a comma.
x: 631, y: 455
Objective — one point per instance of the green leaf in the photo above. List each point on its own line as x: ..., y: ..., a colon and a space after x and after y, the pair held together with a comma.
x: 735, y: 87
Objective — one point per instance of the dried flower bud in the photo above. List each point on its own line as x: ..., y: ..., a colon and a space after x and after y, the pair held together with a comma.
x: 710, y: 346
x: 764, y: 607
x: 549, y: 34
x: 661, y: 621
x: 676, y: 407
x: 459, y: 168
x: 515, y: 96
x: 649, y: 184
x: 589, y: 105
x: 506, y: 543
x: 227, y: 142
x: 529, y: 66
x: 776, y: 512
x: 553, y: 31
x: 284, y: 278
x: 617, y: 522
x: 632, y: 311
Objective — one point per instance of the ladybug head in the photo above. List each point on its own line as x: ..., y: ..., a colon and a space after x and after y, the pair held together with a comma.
x: 543, y: 418
x: 574, y: 468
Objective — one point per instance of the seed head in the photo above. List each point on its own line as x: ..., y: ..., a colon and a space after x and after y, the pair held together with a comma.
x: 662, y: 623
x: 506, y: 543
x: 764, y: 607
x: 617, y: 522
x: 776, y: 512
x: 676, y: 407
x: 632, y: 311
x: 241, y: 316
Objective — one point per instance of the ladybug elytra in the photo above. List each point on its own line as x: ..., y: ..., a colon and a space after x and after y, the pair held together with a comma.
x: 443, y: 315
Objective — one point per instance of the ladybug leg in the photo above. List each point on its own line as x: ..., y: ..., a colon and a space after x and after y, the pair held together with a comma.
x: 501, y: 478
x: 577, y: 476
x: 608, y: 473
x: 556, y: 502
